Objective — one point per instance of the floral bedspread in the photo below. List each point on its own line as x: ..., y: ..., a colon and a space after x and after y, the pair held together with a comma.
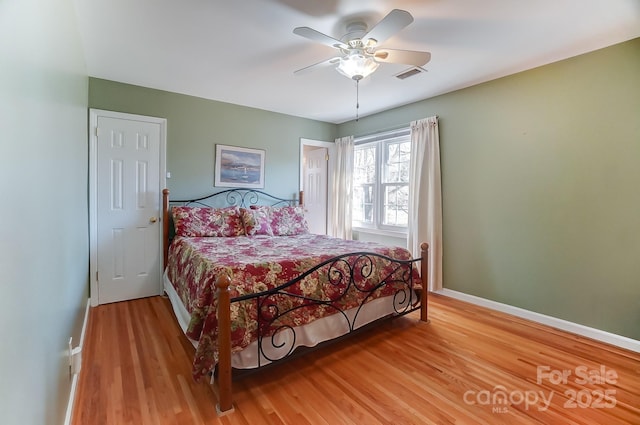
x: 259, y: 263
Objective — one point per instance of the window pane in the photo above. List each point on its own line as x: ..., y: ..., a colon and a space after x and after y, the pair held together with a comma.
x: 364, y: 180
x: 396, y: 164
x: 363, y: 199
x: 396, y: 205
x: 364, y: 165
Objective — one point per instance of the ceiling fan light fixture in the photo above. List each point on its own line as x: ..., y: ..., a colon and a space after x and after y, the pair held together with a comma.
x: 357, y: 66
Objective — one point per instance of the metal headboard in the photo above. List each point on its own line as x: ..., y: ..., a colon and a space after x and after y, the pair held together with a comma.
x: 243, y: 198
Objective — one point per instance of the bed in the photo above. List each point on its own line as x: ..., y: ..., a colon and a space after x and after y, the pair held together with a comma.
x: 249, y: 284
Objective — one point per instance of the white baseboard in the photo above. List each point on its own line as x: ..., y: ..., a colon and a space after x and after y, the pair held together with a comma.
x: 76, y: 375
x: 597, y: 334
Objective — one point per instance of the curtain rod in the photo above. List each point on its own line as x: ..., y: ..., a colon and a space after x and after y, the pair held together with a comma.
x: 389, y: 129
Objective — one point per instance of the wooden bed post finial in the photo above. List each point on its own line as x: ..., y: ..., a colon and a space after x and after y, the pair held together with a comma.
x: 225, y: 399
x: 424, y: 277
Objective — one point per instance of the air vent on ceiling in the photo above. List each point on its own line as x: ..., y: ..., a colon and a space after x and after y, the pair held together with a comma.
x: 409, y: 73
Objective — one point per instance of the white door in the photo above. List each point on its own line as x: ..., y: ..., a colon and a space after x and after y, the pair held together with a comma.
x: 315, y: 190
x: 127, y: 228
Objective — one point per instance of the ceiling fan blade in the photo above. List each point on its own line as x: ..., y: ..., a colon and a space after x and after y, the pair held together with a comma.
x: 324, y: 63
x: 407, y: 57
x: 319, y: 37
x: 394, y: 22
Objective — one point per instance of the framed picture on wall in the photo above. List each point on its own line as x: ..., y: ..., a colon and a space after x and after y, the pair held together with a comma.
x: 239, y: 167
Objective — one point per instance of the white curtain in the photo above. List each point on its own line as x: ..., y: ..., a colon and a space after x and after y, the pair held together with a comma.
x: 425, y: 196
x: 342, y: 189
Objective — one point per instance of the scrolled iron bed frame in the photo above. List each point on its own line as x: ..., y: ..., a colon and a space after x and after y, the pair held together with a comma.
x: 340, y: 271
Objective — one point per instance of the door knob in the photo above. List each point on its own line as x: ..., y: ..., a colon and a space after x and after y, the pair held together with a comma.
x: 153, y: 220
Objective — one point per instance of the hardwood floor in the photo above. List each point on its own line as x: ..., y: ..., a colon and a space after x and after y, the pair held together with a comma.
x: 458, y: 368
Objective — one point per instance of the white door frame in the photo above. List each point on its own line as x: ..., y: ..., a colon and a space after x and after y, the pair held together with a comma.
x: 331, y: 150
x: 93, y: 185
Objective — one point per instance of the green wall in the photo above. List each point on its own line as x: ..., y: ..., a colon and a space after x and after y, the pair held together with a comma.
x: 540, y: 174
x: 44, y: 249
x: 196, y: 125
x: 541, y: 177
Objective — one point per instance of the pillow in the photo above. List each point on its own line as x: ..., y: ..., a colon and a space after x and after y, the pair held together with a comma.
x: 286, y: 221
x: 256, y: 221
x: 204, y: 221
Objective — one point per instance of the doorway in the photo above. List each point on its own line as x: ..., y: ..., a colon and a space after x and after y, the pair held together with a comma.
x: 316, y: 167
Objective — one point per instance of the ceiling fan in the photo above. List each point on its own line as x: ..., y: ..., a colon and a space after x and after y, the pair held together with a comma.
x: 360, y: 52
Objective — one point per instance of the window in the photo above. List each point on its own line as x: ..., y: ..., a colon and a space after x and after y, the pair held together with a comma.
x: 381, y: 181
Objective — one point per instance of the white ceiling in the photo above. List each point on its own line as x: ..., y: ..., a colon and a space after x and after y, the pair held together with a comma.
x: 244, y: 51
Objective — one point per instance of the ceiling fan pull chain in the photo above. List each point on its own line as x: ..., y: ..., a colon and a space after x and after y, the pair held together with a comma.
x: 357, y: 99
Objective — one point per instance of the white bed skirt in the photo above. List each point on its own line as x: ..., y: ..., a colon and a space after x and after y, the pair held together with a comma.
x: 308, y: 335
